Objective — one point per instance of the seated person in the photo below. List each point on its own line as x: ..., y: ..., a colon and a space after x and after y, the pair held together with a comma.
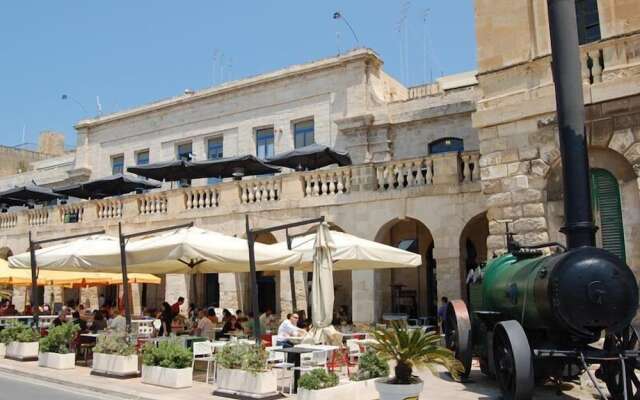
x: 99, y: 323
x: 205, y: 327
x: 211, y: 314
x: 288, y: 328
x: 78, y: 321
x: 118, y: 322
x: 249, y: 325
x: 231, y: 325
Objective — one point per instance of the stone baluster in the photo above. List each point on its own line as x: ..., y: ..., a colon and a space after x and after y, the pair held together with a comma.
x: 429, y: 172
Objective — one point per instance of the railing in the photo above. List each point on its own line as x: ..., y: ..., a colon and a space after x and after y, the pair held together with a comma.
x: 150, y: 204
x: 109, y: 208
x: 470, y: 167
x: 406, y: 173
x: 327, y: 183
x: 71, y: 213
x: 602, y: 60
x: 260, y: 190
x: 201, y: 197
x: 38, y: 216
x: 8, y: 220
x: 425, y: 90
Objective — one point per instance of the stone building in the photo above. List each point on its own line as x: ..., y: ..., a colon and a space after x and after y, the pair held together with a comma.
x: 18, y: 159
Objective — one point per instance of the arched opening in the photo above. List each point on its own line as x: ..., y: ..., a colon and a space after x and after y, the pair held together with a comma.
x: 268, y: 281
x: 409, y: 290
x: 473, y: 248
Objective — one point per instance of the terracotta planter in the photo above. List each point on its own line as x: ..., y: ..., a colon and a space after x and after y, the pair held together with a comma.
x: 57, y: 361
x: 114, y: 365
x: 340, y: 392
x: 167, y: 377
x: 22, y: 351
x: 388, y: 391
x: 247, y: 384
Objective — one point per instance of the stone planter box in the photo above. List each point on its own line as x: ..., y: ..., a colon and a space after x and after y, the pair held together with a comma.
x: 57, y: 361
x: 365, y: 390
x: 22, y: 351
x: 167, y: 377
x: 114, y: 365
x: 341, y: 392
x: 3, y: 350
x: 398, y: 392
x: 246, y: 384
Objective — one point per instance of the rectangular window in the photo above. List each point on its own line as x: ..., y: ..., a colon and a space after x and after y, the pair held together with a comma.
x: 184, y: 151
x: 588, y: 21
x: 303, y: 133
x: 142, y: 157
x: 214, y: 152
x: 117, y: 165
x: 264, y: 143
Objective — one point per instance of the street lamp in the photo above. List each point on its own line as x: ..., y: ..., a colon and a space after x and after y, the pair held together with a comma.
x: 67, y: 97
x: 338, y: 15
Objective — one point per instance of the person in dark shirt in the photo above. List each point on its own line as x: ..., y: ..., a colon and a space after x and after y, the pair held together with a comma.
x: 231, y: 325
x: 80, y: 322
x: 99, y: 323
x: 167, y: 319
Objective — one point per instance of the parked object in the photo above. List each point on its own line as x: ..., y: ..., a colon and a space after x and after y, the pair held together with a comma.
x: 168, y: 365
x: 114, y: 355
x: 55, y: 347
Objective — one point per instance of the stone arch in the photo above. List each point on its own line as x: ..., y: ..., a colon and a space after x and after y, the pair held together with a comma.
x: 473, y: 248
x: 419, y: 284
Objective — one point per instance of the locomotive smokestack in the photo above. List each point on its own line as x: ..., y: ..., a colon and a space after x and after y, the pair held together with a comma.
x: 567, y: 78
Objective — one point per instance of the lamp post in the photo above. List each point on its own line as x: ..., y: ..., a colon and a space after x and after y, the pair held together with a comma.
x: 338, y: 15
x: 67, y: 97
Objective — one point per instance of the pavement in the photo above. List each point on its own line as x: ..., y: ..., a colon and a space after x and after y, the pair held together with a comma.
x: 25, y: 380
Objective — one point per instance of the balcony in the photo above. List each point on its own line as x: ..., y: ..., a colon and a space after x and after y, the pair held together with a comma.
x: 441, y: 174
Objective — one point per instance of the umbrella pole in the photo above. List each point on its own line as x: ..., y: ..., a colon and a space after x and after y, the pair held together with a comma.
x: 34, y: 282
x: 292, y: 278
x: 254, y: 284
x: 125, y: 278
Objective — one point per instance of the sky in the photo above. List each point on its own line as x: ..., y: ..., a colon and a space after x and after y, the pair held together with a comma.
x: 129, y: 53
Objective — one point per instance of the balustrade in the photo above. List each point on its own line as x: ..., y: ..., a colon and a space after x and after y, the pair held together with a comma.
x: 404, y: 173
x: 201, y: 197
x: 152, y: 204
x: 470, y: 167
x: 38, y: 216
x: 8, y: 220
x: 71, y: 213
x: 327, y: 182
x: 259, y: 190
x: 109, y: 208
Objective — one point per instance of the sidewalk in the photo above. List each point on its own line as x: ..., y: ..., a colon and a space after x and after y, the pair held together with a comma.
x: 441, y: 387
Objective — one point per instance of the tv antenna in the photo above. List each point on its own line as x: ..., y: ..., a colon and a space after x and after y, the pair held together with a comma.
x: 403, y: 30
x: 425, y: 18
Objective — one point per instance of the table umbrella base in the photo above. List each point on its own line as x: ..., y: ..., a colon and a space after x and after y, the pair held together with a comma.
x: 116, y: 375
x: 232, y: 394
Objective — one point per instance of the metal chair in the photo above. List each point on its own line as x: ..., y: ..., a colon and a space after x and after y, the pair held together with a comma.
x: 203, y: 352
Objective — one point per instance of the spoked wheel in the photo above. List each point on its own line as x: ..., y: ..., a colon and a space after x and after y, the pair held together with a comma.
x: 457, y: 331
x: 513, y: 363
x: 616, y: 343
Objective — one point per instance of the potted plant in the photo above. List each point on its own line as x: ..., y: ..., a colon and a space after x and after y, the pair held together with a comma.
x: 114, y: 355
x: 22, y: 342
x: 4, y: 340
x: 54, y: 348
x: 243, y: 371
x: 318, y: 384
x: 370, y: 367
x: 169, y: 364
x: 408, y: 350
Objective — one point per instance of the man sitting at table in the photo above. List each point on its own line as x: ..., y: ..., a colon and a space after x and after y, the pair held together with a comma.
x: 80, y: 322
x: 205, y: 327
x: 118, y: 322
x: 289, y: 329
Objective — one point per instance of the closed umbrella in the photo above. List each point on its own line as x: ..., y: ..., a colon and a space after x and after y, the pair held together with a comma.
x: 322, y: 296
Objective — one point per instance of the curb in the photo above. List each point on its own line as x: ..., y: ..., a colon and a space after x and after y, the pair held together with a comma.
x: 113, y: 393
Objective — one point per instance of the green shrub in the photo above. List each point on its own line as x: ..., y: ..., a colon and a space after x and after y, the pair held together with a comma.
x: 115, y: 343
x: 318, y: 379
x: 230, y: 356
x: 371, y: 365
x: 18, y: 332
x: 59, y: 338
x: 168, y: 354
x: 255, y: 359
x: 247, y: 357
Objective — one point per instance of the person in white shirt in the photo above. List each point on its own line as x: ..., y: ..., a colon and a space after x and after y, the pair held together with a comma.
x: 118, y: 323
x: 289, y: 329
x: 205, y: 327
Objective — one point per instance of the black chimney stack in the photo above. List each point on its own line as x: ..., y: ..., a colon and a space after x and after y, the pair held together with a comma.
x: 567, y: 77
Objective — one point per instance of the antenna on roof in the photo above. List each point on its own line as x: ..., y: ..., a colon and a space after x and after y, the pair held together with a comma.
x: 24, y: 133
x: 425, y: 17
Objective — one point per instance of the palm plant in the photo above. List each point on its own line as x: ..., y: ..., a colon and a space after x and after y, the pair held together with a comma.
x: 414, y: 349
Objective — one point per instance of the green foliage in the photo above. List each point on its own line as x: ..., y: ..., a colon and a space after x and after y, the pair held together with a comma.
x: 18, y: 332
x: 59, y: 338
x: 371, y: 365
x: 317, y: 379
x: 168, y: 354
x: 414, y: 349
x: 247, y: 357
x: 115, y: 343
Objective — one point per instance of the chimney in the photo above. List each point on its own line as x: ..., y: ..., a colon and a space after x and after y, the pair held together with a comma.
x: 51, y: 143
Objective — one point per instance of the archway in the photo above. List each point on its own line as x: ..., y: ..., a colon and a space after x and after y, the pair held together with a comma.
x: 473, y: 248
x: 408, y: 290
x: 268, y: 281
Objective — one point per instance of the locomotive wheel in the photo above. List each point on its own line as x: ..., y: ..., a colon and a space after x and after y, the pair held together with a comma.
x: 513, y: 363
x: 612, y: 371
x: 457, y: 330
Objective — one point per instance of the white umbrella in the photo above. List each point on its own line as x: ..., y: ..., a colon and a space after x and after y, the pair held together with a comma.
x: 350, y: 252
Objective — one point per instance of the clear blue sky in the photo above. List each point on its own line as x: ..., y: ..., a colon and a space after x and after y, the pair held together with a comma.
x: 134, y: 52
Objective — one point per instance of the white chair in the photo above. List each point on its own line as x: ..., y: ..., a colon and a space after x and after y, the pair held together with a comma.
x: 354, y: 349
x: 203, y: 352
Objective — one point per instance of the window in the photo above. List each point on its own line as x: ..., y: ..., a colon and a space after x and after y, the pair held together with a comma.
x: 214, y: 151
x: 142, y: 157
x: 607, y: 212
x: 446, y: 145
x: 117, y: 165
x: 588, y: 21
x: 264, y: 143
x: 303, y: 133
x: 184, y: 151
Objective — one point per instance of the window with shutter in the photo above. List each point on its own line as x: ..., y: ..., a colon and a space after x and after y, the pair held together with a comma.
x: 607, y: 211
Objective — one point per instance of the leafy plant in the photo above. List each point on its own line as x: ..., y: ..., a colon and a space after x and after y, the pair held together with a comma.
x: 115, y: 343
x: 247, y: 357
x: 18, y: 332
x: 414, y: 349
x: 59, y: 339
x: 371, y: 365
x: 230, y: 356
x: 318, y: 379
x: 168, y: 354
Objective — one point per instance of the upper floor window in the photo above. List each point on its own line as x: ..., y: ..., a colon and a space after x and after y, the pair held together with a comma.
x: 303, y: 133
x: 264, y: 143
x: 184, y: 151
x: 588, y: 21
x: 446, y: 145
x: 117, y: 164
x: 142, y: 157
x: 214, y: 151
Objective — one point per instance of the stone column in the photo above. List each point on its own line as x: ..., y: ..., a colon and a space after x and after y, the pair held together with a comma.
x: 364, y: 297
x: 285, y: 292
x: 89, y: 297
x: 448, y: 271
x: 136, y: 301
x: 229, y: 296
x: 177, y: 285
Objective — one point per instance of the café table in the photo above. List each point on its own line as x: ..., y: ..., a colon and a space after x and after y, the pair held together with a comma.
x: 296, y: 352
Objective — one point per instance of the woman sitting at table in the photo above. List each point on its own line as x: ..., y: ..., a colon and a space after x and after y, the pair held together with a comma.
x: 99, y: 323
x: 205, y: 327
x: 231, y: 325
